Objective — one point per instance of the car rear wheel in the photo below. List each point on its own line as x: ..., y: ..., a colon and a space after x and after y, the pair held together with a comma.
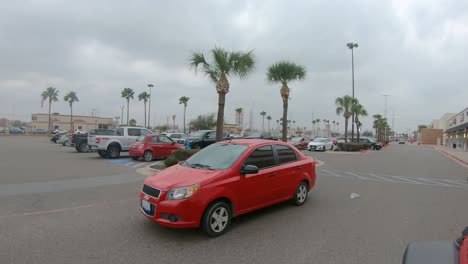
x: 300, y: 196
x: 84, y: 147
x: 148, y: 156
x: 216, y: 219
x: 113, y: 151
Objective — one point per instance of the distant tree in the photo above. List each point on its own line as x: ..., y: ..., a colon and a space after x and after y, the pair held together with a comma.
x: 204, y: 122
x: 344, y: 107
x: 239, y: 114
x: 132, y: 122
x: 162, y: 128
x: 263, y: 114
x: 224, y: 64
x: 50, y: 94
x: 269, y: 119
x: 71, y: 97
x: 128, y: 94
x: 284, y: 72
x: 184, y: 100
x: 17, y: 123
x: 358, y: 111
x: 367, y: 133
x: 145, y: 97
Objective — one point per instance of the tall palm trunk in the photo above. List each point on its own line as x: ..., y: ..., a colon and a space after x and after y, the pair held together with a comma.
x: 263, y: 124
x: 185, y: 111
x: 268, y: 126
x: 144, y: 104
x: 220, y: 120
x: 71, y: 118
x: 50, y: 103
x: 285, y: 96
x: 346, y: 130
x: 128, y: 109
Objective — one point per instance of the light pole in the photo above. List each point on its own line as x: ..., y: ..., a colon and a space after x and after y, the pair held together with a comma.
x: 149, y: 103
x: 351, y: 46
x: 121, y: 119
x: 385, y: 114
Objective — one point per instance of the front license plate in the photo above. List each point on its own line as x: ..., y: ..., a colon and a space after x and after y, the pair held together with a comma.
x: 146, y: 206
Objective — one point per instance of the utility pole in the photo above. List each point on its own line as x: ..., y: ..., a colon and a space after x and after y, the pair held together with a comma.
x: 149, y: 104
x: 385, y: 132
x: 351, y: 46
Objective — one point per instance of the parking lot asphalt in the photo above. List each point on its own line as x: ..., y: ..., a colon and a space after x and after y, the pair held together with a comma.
x: 58, y: 206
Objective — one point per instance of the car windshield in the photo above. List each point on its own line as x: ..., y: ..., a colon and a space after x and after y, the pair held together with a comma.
x: 216, y: 156
x: 296, y: 139
x: 320, y: 140
x: 141, y: 138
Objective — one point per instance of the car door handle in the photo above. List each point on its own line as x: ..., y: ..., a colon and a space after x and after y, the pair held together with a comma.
x: 272, y: 175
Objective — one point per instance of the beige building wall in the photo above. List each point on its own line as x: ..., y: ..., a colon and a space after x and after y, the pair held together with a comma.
x: 40, y: 121
x: 430, y: 136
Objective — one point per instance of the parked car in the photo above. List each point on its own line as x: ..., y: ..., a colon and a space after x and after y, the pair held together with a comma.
x: 16, y: 131
x: 56, y: 137
x: 203, y: 138
x: 80, y: 141
x: 39, y: 132
x: 299, y: 142
x: 153, y: 146
x: 401, y: 141
x: 2, y: 131
x: 322, y: 144
x: 111, y: 145
x: 374, y: 144
x: 268, y: 136
x: 224, y: 180
x: 179, y: 138
x: 80, y: 132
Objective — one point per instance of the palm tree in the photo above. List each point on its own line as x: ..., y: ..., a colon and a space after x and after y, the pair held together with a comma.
x: 269, y: 119
x: 313, y: 125
x: 132, y: 122
x: 51, y: 94
x: 223, y: 64
x: 344, y: 107
x: 263, y: 114
x: 338, y: 127
x: 334, y: 127
x: 128, y: 94
x: 318, y: 125
x: 238, y: 117
x: 380, y: 123
x: 358, y: 110
x: 285, y: 72
x: 144, y: 96
x: 71, y: 98
x: 184, y: 100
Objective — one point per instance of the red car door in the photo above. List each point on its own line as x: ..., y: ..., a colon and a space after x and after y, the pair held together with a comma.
x: 288, y: 171
x: 254, y: 189
x: 167, y: 146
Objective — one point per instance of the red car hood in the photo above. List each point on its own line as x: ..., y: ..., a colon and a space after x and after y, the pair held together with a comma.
x: 179, y: 176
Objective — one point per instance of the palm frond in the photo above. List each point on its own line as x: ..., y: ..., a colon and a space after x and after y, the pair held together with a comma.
x: 243, y: 63
x: 221, y: 60
x: 285, y: 72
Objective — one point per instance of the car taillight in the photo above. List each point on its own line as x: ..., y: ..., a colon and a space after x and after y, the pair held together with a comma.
x: 98, y: 140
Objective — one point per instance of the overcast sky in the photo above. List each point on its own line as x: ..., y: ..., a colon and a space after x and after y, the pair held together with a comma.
x: 414, y: 51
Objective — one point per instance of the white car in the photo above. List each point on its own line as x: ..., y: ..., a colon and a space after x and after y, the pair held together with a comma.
x: 180, y: 138
x: 322, y: 144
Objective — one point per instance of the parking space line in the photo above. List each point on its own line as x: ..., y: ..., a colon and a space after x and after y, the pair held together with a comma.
x: 379, y: 177
x: 152, y: 164
x: 455, y: 182
x: 332, y: 173
x: 139, y: 164
x: 432, y: 181
x: 408, y: 180
x: 360, y: 177
x: 128, y: 164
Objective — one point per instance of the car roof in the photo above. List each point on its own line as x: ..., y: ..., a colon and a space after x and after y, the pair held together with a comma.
x: 253, y: 142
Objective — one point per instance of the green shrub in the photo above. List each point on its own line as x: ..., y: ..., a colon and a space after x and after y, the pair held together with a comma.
x: 170, y: 161
x: 366, y: 146
x: 183, y: 154
x: 350, y: 146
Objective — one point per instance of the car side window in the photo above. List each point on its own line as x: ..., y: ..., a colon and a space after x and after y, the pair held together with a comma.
x: 175, y: 136
x: 165, y: 140
x: 134, y: 132
x: 262, y: 157
x: 285, y: 154
x: 145, y: 132
x: 119, y: 132
x: 154, y: 140
x: 211, y: 135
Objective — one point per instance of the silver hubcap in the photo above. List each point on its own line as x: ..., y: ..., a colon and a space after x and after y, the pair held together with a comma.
x: 219, y: 219
x: 148, y: 156
x: 301, y: 193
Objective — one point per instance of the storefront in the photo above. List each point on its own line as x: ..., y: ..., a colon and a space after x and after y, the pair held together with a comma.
x: 457, y: 133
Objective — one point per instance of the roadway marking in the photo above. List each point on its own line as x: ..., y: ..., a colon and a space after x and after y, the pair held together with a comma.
x: 128, y: 164
x: 139, y: 164
x: 395, y: 179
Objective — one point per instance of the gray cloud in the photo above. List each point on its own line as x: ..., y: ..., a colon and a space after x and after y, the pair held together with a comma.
x: 412, y: 50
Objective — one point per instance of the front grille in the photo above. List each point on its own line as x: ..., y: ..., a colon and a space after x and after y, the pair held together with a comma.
x: 151, y: 191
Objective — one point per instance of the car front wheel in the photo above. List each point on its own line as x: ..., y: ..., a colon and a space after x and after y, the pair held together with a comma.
x: 216, y: 219
x: 148, y: 156
x: 300, y: 195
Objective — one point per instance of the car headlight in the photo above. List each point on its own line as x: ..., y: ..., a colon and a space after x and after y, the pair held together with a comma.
x: 182, y: 192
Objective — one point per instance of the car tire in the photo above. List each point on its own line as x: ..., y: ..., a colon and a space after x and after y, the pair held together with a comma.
x: 84, y: 147
x: 102, y: 153
x: 148, y: 156
x: 65, y: 143
x: 300, y: 195
x: 196, y: 147
x: 216, y: 219
x: 134, y: 157
x: 113, y: 152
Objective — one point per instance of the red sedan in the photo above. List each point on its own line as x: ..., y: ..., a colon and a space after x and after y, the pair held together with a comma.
x: 299, y: 142
x: 153, y: 146
x: 225, y: 180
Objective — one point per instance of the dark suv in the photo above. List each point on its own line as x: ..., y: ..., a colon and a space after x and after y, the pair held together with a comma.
x: 374, y: 144
x: 203, y: 138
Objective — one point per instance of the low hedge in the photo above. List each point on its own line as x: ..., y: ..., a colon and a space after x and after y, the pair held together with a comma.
x: 179, y: 155
x: 170, y: 161
x: 353, y: 146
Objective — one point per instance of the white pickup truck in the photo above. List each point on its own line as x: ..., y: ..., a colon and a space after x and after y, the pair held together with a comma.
x: 111, y: 146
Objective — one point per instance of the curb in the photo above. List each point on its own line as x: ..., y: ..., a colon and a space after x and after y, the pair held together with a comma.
x: 452, y: 157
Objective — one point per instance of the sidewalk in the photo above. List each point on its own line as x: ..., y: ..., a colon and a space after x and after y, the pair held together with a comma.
x: 456, y: 154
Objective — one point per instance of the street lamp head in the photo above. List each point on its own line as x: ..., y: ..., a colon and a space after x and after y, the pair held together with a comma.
x: 352, y: 45
x: 150, y: 85
x: 355, y: 45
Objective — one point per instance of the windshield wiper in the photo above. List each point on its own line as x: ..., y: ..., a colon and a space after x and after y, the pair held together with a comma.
x: 200, y: 165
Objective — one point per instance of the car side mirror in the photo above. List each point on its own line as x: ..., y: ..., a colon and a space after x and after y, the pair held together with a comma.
x: 249, y: 169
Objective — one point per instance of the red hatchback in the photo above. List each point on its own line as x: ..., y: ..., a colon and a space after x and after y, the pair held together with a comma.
x: 225, y: 180
x: 153, y: 146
